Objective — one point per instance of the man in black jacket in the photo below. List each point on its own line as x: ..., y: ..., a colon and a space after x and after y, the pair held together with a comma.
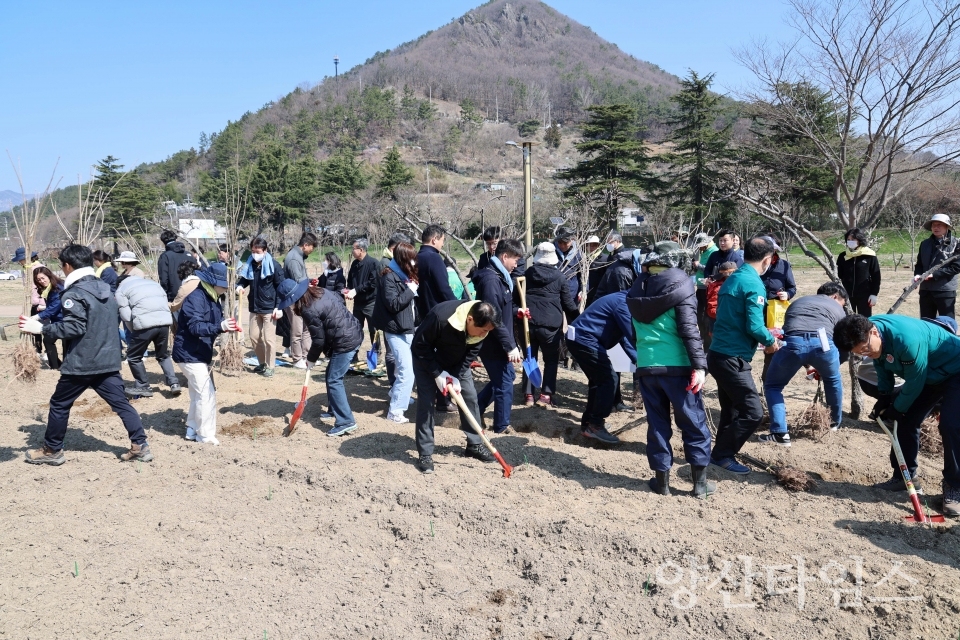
x: 494, y: 285
x: 434, y: 285
x: 446, y: 343
x: 91, y: 357
x: 263, y: 275
x: 938, y: 293
x: 168, y: 263
x: 362, y: 281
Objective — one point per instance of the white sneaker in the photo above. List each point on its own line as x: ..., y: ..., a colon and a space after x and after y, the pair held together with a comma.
x: 300, y: 364
x: 191, y: 434
x: 285, y: 354
x: 399, y: 419
x: 212, y: 441
x: 43, y: 357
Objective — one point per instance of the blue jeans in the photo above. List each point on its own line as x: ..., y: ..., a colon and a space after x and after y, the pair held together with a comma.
x: 399, y: 345
x: 798, y: 351
x: 337, y: 367
x: 659, y: 393
x: 499, y: 390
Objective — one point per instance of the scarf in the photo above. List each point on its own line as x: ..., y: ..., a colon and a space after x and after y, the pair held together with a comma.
x: 861, y: 251
x: 101, y: 269
x: 266, y: 268
x: 397, y: 270
x: 46, y: 292
x: 76, y: 274
x: 495, y: 261
x: 386, y: 253
x: 209, y: 289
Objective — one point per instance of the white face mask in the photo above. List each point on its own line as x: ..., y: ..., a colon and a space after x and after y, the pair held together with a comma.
x: 258, y: 257
x: 609, y: 247
x: 324, y: 265
x: 853, y: 244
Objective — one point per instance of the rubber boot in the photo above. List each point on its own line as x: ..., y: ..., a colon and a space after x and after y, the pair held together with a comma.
x: 139, y: 372
x: 702, y: 488
x: 660, y: 482
x: 168, y: 371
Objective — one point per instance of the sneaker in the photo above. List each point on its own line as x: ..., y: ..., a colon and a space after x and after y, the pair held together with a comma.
x: 138, y: 392
x: 259, y: 368
x: 399, y: 419
x: 503, y: 430
x: 326, y: 415
x: 835, y: 426
x: 546, y: 401
x: 45, y: 455
x: 300, y: 364
x: 896, y: 483
x: 138, y: 452
x: 342, y: 430
x: 528, y: 400
x: 425, y: 464
x: 285, y: 354
x: 951, y: 501
x: 623, y: 407
x: 449, y: 407
x: 175, y: 388
x: 601, y: 434
x: 731, y: 465
x: 43, y: 357
x: 267, y: 373
x: 782, y: 439
x: 191, y: 434
x: 478, y: 452
x: 202, y: 440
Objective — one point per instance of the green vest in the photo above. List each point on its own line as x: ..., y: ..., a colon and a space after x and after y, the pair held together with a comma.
x: 659, y: 344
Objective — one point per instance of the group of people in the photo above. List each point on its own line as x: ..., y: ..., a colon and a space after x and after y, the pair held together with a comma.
x: 677, y: 314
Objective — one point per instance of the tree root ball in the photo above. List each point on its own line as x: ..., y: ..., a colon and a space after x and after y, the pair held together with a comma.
x: 794, y: 479
x: 26, y: 364
x: 231, y: 356
x: 931, y: 443
x: 814, y: 422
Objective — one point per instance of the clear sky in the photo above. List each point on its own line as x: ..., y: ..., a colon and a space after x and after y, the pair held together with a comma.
x: 141, y: 80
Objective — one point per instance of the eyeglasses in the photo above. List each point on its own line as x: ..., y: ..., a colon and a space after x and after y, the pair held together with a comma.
x: 862, y: 349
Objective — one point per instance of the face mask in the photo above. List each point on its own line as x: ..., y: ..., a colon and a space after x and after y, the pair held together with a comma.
x: 324, y: 265
x: 767, y: 269
x: 853, y: 244
x: 258, y: 257
x: 609, y: 247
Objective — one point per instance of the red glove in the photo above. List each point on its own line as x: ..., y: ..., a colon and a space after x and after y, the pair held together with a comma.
x: 813, y: 374
x: 777, y: 333
x: 523, y: 313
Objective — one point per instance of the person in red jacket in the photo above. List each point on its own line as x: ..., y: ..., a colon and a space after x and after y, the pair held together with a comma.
x: 713, y: 290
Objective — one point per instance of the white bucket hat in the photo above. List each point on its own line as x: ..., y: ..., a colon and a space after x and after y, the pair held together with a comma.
x: 937, y: 217
x: 127, y: 256
x: 546, y: 254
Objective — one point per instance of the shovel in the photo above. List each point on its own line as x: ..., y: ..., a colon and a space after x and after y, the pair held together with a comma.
x: 918, y: 513
x: 300, y: 405
x: 372, y: 354
x: 530, y: 365
x: 507, y: 469
x: 3, y: 330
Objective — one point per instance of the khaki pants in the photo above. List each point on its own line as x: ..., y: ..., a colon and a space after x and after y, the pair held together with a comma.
x: 300, y: 339
x: 263, y: 335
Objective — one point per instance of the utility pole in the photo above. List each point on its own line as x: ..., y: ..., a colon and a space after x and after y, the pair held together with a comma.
x: 527, y: 191
x: 336, y: 73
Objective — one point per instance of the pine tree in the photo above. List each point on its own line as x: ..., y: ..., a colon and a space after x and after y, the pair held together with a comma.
x: 130, y: 201
x: 700, y: 148
x: 393, y: 174
x: 341, y: 175
x: 616, y: 165
x: 552, y: 137
x: 268, y: 185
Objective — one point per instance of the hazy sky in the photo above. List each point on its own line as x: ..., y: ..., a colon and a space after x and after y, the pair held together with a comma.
x: 140, y: 81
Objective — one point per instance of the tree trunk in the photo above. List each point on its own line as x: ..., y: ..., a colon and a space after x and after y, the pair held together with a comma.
x: 856, y: 398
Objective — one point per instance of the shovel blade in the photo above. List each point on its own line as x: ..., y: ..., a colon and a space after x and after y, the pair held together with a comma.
x: 532, y: 369
x: 371, y: 360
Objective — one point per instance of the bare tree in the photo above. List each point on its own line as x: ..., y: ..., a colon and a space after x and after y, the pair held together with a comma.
x: 910, y: 214
x: 888, y: 69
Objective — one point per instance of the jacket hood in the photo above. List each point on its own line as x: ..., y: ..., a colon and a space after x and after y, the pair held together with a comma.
x: 652, y: 295
x: 540, y: 275
x: 176, y: 246
x: 95, y: 287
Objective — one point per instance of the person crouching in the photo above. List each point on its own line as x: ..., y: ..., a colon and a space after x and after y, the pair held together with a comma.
x: 199, y: 322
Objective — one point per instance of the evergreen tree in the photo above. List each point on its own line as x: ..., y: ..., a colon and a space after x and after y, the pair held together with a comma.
x: 341, y: 175
x: 616, y: 166
x: 302, y: 189
x: 268, y: 186
x: 700, y: 148
x: 130, y: 201
x: 551, y: 136
x: 393, y: 174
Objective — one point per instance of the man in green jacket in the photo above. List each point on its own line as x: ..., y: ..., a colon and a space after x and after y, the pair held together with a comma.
x: 738, y: 330
x: 671, y: 366
x: 927, y: 356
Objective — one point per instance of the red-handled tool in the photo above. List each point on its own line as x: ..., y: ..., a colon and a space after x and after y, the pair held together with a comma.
x: 507, y: 469
x: 300, y: 406
x: 918, y: 514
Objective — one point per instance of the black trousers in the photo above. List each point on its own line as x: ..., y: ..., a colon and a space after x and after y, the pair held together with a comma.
x: 602, y: 382
x: 933, y: 305
x: 427, y: 397
x: 137, y: 343
x: 859, y: 304
x: 37, y: 339
x: 547, y: 340
x: 740, y: 409
x: 108, y: 386
x: 703, y: 320
x: 53, y: 356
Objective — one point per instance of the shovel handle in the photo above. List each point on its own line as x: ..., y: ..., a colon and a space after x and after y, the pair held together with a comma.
x: 918, y: 512
x: 522, y: 286
x: 457, y: 398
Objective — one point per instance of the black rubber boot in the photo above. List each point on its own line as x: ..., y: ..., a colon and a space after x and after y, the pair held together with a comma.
x: 660, y: 482
x: 702, y: 488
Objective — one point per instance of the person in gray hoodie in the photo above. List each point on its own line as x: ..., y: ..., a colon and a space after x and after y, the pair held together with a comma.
x: 145, y: 313
x: 91, y: 357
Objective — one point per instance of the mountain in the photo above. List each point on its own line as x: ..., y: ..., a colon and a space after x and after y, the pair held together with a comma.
x: 10, y: 199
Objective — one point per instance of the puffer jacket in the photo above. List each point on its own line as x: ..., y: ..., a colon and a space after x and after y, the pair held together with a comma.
x: 167, y: 265
x: 143, y: 304
x: 333, y: 328
x: 198, y: 325
x: 89, y: 326
x: 932, y: 252
x: 859, y: 273
x: 491, y: 287
x: 549, y: 297
x: 664, y: 311
x: 395, y: 310
x: 619, y: 276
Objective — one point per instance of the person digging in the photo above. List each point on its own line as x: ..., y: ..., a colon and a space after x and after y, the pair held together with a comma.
x: 91, y: 357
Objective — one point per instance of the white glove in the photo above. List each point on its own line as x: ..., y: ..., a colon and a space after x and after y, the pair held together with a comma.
x: 277, y: 314
x: 311, y: 365
x: 29, y: 325
x: 444, y: 379
x: 514, y: 356
x: 782, y: 295
x: 872, y: 301
x: 239, y: 290
x: 42, y: 306
x: 229, y: 325
x: 413, y: 286
x: 915, y: 278
x: 349, y: 294
x: 37, y: 316
x: 696, y: 380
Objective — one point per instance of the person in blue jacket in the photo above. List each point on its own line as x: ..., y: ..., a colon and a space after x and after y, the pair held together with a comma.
x: 604, y: 324
x: 199, y: 323
x: 49, y: 286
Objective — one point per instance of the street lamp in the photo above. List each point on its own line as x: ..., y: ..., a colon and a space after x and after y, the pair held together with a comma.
x: 527, y: 190
x: 336, y: 74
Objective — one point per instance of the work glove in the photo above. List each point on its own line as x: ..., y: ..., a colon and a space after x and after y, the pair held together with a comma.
x: 349, y: 294
x: 239, y: 290
x: 890, y: 415
x: 782, y: 295
x: 29, y: 325
x: 277, y: 314
x: 42, y: 306
x: 413, y: 286
x: 522, y: 313
x: 314, y: 282
x: 777, y: 333
x: 37, y: 316
x: 697, y: 377
x: 813, y: 374
x: 311, y: 365
x: 872, y: 301
x: 444, y: 379
x: 514, y: 356
x: 229, y: 325
x: 882, y: 403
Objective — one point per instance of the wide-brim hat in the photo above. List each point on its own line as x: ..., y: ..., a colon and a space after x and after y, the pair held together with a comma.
x: 668, y: 254
x: 592, y: 240
x: 937, y: 217
x: 18, y: 255
x: 701, y: 240
x: 546, y: 254
x: 214, y: 274
x: 290, y: 291
x: 128, y: 256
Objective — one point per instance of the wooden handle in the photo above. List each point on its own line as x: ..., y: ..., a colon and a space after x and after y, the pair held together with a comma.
x: 522, y: 285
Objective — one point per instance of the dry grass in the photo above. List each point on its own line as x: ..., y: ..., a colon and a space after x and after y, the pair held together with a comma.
x: 930, y: 441
x: 794, y: 479
x: 813, y: 422
x: 26, y: 364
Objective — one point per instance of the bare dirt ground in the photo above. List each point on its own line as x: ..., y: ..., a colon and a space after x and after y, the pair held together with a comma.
x: 313, y: 537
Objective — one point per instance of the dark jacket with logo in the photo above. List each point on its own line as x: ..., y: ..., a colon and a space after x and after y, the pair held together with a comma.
x: 333, y: 328
x: 779, y: 277
x: 363, y: 277
x: 395, y: 311
x: 932, y: 252
x: 549, y: 297
x: 263, y: 291
x: 439, y: 346
x: 88, y: 329
x: 167, y: 265
x: 717, y: 258
x: 198, y: 325
x: 492, y: 287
